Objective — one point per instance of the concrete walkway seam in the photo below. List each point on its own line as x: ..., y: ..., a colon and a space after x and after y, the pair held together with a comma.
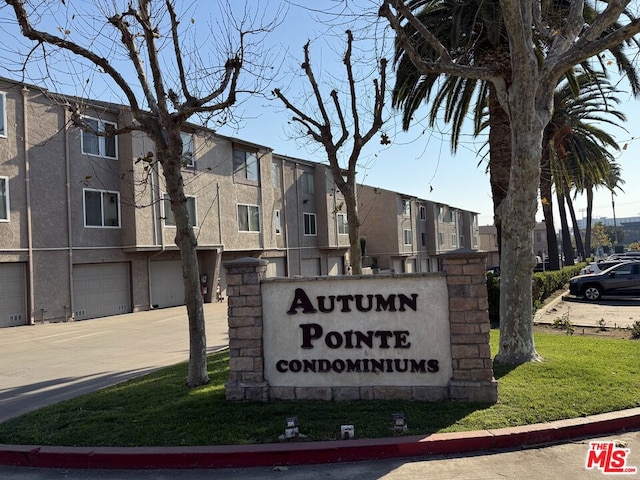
x: 298, y: 453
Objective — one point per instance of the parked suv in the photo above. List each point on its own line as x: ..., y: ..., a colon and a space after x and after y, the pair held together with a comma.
x: 621, y: 279
x: 599, y: 267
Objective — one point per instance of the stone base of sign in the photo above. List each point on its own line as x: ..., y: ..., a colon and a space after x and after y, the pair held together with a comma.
x: 472, y: 379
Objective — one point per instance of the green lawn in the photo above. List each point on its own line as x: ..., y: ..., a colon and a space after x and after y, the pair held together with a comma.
x: 580, y: 376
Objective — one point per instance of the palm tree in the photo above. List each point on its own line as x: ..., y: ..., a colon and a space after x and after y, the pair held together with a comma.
x: 473, y: 32
x: 579, y: 148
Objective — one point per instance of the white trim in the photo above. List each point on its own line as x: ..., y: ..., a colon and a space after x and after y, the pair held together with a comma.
x: 165, y: 197
x: 84, y: 208
x: 404, y: 236
x: 7, y: 202
x: 345, y: 223
x: 315, y: 224
x: 191, y: 165
x: 101, y: 140
x: 248, y: 205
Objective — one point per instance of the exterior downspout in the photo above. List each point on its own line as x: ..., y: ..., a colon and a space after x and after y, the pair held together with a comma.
x: 219, y: 213
x: 157, y: 231
x: 284, y: 219
x: 67, y: 162
x: 27, y: 181
x: 297, y: 184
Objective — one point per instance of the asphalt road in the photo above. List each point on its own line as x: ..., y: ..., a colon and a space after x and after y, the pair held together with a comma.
x: 47, y: 363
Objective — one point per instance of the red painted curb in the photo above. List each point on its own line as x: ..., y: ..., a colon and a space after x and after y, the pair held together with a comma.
x: 299, y: 453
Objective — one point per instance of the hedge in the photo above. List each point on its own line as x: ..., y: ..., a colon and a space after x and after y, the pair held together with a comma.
x: 543, y: 284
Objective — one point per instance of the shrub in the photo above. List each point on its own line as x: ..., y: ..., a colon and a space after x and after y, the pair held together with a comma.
x: 543, y: 285
x: 635, y: 330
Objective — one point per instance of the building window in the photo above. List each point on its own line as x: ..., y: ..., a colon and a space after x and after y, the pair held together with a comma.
x: 423, y: 239
x: 188, y: 150
x: 307, y: 183
x: 408, y: 237
x: 4, y: 199
x: 245, y: 165
x: 423, y: 212
x: 93, y: 144
x: 3, y: 114
x: 275, y: 174
x: 101, y: 208
x: 462, y: 241
x: 406, y: 207
x: 277, y: 222
x: 475, y: 241
x: 454, y: 240
x: 310, y: 224
x: 248, y: 218
x: 343, y: 224
x: 440, y: 239
x: 170, y: 220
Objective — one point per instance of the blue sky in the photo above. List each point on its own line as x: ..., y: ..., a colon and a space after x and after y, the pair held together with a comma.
x: 418, y: 162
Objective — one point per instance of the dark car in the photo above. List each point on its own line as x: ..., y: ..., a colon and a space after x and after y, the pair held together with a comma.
x: 621, y: 279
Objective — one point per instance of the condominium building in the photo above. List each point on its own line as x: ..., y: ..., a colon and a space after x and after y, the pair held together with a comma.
x: 86, y: 228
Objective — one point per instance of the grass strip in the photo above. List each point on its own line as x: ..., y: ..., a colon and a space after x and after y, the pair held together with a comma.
x: 580, y: 376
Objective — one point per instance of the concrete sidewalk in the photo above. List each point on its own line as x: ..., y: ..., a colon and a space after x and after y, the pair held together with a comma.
x: 616, y: 312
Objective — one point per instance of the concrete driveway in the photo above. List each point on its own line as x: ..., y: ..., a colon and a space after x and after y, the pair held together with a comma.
x: 44, y: 364
x: 617, y: 312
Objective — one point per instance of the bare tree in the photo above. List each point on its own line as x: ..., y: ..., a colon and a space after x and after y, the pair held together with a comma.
x: 526, y: 94
x: 320, y: 131
x: 168, y: 100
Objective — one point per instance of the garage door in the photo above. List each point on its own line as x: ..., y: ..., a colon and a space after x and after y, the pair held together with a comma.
x: 276, y: 268
x: 101, y: 289
x: 310, y: 267
x: 13, y: 294
x: 167, y: 286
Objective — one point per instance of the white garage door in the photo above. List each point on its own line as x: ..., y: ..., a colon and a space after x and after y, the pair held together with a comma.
x: 276, y: 268
x: 167, y: 285
x: 13, y: 297
x: 101, y: 289
x: 336, y: 266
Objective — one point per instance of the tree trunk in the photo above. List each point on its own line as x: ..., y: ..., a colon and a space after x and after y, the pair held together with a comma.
x: 587, y: 235
x: 500, y: 157
x: 574, y: 222
x: 546, y: 182
x: 518, y: 221
x: 186, y: 241
x: 355, y: 251
x: 567, y: 248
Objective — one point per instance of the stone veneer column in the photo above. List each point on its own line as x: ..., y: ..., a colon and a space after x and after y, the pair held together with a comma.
x: 244, y: 296
x: 469, y: 321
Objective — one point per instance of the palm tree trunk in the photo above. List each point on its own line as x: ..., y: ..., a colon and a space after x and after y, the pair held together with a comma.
x: 500, y: 157
x: 574, y: 222
x: 546, y: 182
x: 567, y: 248
x: 587, y: 236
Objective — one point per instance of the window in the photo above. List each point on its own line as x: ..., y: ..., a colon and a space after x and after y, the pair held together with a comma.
x: 423, y: 239
x: 343, y: 224
x: 277, y: 222
x: 4, y: 199
x: 307, y: 183
x: 188, y: 151
x: 93, y: 144
x: 408, y: 237
x: 310, y: 224
x: 454, y: 240
x: 462, y: 241
x: 440, y: 239
x: 245, y: 165
x: 275, y: 174
x: 406, y: 207
x: 101, y: 208
x: 423, y: 212
x: 3, y: 114
x: 248, y: 218
x: 170, y: 220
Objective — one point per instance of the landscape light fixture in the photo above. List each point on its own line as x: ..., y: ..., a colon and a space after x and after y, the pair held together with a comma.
x: 398, y: 423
